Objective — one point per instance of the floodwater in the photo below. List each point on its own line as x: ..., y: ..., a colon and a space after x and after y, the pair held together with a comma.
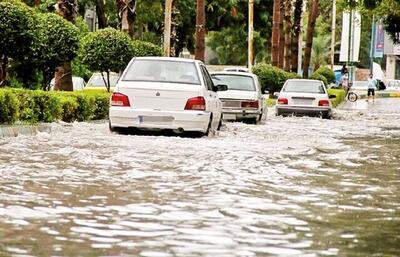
x: 294, y: 186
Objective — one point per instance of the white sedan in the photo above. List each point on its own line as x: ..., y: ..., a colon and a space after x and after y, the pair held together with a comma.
x: 304, y: 96
x: 161, y: 93
x: 243, y: 100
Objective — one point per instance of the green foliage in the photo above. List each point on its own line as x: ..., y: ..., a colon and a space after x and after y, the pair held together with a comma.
x: 33, y: 106
x: 340, y: 96
x: 272, y: 78
x: 318, y: 76
x: 106, y: 50
x: 327, y: 73
x: 230, y: 45
x: 142, y: 48
x: 9, y: 106
x: 56, y: 42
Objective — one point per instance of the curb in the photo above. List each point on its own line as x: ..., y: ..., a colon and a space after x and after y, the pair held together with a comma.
x: 382, y: 95
x: 26, y: 130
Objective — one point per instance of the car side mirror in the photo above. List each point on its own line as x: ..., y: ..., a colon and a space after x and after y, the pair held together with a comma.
x: 221, y: 88
x: 332, y: 96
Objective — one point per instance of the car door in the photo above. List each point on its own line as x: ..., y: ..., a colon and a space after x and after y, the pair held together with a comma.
x: 211, y: 95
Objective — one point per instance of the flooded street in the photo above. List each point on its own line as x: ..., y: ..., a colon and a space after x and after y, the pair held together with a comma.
x: 295, y: 186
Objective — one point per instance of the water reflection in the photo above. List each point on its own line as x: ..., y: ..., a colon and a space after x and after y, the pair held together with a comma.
x: 291, y: 187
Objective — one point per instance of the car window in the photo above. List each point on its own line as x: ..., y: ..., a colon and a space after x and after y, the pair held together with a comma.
x: 97, y: 80
x: 235, y: 82
x: 162, y: 71
x: 207, y: 78
x: 304, y: 87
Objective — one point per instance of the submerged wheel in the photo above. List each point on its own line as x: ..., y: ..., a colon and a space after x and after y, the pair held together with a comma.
x: 352, y: 97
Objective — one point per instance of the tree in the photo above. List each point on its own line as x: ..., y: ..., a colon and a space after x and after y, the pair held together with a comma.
x: 15, y: 34
x: 296, y: 27
x: 56, y: 42
x: 63, y: 75
x: 200, y: 30
x: 312, y: 17
x: 288, y: 32
x: 106, y: 50
x: 275, y: 33
x: 126, y: 15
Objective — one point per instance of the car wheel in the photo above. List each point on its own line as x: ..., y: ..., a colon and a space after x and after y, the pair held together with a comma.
x: 219, y: 124
x: 111, y: 128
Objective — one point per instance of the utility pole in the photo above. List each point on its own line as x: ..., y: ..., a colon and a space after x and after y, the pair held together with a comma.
x: 167, y: 28
x: 250, y: 55
x: 333, y: 34
x: 200, y: 30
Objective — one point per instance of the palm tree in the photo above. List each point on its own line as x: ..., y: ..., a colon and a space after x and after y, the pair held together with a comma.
x: 312, y: 17
x: 200, y: 30
x: 63, y: 75
x: 320, y: 55
x: 281, y: 36
x: 275, y: 33
x: 126, y: 15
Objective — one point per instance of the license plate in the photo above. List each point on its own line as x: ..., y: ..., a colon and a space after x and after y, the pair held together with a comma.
x: 303, y: 101
x: 155, y: 119
x: 229, y: 117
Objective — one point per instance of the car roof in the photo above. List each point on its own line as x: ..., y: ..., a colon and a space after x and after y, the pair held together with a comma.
x: 159, y: 58
x: 305, y: 80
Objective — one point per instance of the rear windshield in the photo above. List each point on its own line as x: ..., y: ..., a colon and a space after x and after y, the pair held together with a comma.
x: 97, y: 80
x: 304, y: 87
x: 234, y: 82
x: 162, y: 71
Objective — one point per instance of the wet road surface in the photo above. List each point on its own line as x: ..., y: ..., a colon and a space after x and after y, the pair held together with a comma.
x: 294, y: 186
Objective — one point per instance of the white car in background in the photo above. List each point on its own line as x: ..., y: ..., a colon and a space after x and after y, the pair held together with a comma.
x: 304, y: 96
x: 162, y: 93
x: 243, y: 100
x: 98, y: 81
x: 78, y: 83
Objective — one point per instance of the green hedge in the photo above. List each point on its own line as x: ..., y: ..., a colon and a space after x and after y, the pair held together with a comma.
x: 318, y: 76
x: 33, y: 106
x: 272, y: 78
x: 327, y: 73
x: 340, y: 96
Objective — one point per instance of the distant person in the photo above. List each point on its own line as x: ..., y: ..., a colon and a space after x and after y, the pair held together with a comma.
x: 372, y: 86
x: 344, y: 70
x: 344, y: 82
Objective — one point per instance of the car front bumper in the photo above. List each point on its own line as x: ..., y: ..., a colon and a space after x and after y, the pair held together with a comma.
x: 123, y: 117
x: 314, y: 111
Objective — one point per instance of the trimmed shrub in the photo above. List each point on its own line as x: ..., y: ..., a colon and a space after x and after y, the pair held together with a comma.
x: 327, y: 73
x: 9, y: 106
x: 143, y: 48
x: 318, y: 76
x: 272, y: 78
x: 33, y: 106
x: 340, y: 96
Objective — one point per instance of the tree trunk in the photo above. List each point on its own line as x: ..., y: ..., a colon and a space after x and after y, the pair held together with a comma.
x: 3, y: 70
x: 275, y: 33
x: 288, y: 32
x: 200, y: 30
x: 126, y: 15
x: 63, y: 75
x: 312, y: 17
x: 100, y: 12
x: 281, y: 36
x: 298, y: 9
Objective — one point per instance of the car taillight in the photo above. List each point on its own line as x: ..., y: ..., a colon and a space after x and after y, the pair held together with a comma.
x: 323, y: 103
x: 118, y: 99
x: 283, y: 100
x: 250, y: 104
x: 196, y: 103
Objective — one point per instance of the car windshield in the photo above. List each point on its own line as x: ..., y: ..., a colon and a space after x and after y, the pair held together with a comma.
x: 234, y: 82
x: 162, y: 71
x: 304, y: 87
x: 97, y: 81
